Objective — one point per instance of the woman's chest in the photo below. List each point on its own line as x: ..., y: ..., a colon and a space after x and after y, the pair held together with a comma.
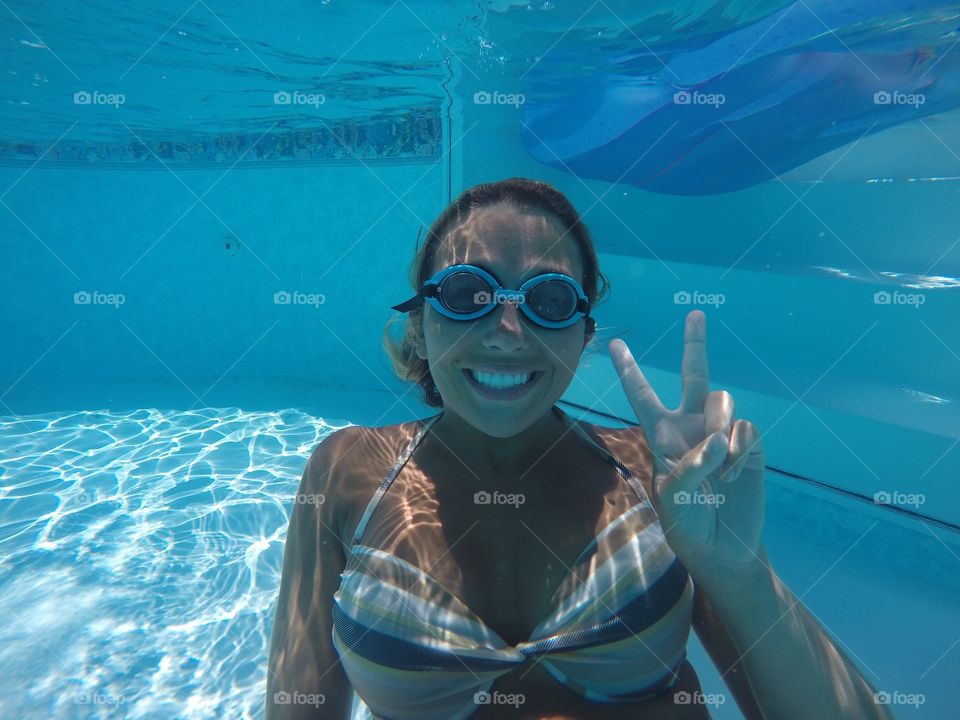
x: 501, y: 544
x: 509, y: 560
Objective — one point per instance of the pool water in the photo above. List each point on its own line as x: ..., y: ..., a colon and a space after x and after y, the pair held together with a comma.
x: 208, y: 211
x: 142, y: 554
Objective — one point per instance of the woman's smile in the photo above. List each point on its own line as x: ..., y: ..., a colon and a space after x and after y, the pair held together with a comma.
x: 502, y: 386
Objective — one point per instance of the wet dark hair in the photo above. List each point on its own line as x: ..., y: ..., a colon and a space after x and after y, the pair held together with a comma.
x: 522, y: 194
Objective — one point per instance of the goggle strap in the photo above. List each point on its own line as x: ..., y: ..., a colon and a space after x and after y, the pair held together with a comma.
x: 408, y: 305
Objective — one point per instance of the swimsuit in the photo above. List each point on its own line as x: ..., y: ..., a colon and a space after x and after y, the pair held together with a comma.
x: 616, y: 630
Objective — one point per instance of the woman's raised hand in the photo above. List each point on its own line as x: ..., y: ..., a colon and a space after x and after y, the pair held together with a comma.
x: 708, y: 469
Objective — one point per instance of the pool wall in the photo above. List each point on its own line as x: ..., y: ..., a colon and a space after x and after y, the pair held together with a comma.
x: 191, y: 278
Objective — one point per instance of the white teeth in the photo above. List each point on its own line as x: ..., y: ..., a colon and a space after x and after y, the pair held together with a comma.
x: 500, y: 381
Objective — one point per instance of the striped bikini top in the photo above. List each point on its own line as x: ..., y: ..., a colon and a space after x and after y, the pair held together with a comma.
x: 616, y: 630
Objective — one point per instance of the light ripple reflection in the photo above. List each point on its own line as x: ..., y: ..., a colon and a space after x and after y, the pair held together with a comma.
x: 141, y: 557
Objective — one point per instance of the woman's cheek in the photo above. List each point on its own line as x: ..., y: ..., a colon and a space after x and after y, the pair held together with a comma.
x: 568, y: 351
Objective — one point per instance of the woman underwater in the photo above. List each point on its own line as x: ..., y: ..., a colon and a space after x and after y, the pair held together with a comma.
x: 503, y: 560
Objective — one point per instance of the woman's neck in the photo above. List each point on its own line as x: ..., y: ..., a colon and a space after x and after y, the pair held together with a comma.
x: 487, y: 456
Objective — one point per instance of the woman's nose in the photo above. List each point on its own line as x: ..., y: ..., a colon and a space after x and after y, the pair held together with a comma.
x: 507, y: 319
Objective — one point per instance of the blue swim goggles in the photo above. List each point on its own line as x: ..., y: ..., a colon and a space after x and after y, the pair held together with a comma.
x: 467, y: 292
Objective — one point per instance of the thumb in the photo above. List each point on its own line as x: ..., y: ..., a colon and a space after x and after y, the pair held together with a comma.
x: 694, y: 467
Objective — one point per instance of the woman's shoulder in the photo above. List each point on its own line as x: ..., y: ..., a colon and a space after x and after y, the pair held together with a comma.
x: 354, y: 460
x: 355, y: 449
x: 353, y: 444
x: 628, y: 445
x: 623, y: 441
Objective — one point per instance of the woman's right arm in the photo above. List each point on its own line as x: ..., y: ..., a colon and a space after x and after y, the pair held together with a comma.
x: 303, y: 667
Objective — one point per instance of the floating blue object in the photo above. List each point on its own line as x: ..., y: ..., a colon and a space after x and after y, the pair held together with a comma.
x: 755, y: 102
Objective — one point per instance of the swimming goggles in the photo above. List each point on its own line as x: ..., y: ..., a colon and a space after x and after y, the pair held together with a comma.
x: 467, y: 292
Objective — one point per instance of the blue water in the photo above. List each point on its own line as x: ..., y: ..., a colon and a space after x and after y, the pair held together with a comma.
x: 158, y: 401
x: 141, y: 554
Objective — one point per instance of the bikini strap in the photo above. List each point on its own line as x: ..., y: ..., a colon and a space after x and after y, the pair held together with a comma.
x: 632, y: 480
x: 390, y: 477
x: 626, y: 473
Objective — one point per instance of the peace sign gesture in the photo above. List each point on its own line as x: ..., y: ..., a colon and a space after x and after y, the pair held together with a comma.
x: 708, y: 468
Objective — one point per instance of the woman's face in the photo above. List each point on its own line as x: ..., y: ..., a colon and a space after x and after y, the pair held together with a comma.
x: 515, y: 246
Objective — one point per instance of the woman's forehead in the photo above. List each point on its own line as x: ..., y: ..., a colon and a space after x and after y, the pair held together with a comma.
x: 507, y: 237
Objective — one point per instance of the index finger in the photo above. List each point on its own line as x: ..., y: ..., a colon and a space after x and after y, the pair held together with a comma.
x: 641, y: 396
x: 695, y: 372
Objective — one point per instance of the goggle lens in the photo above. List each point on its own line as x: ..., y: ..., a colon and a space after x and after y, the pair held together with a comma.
x: 553, y: 300
x: 466, y: 292
x: 461, y: 290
